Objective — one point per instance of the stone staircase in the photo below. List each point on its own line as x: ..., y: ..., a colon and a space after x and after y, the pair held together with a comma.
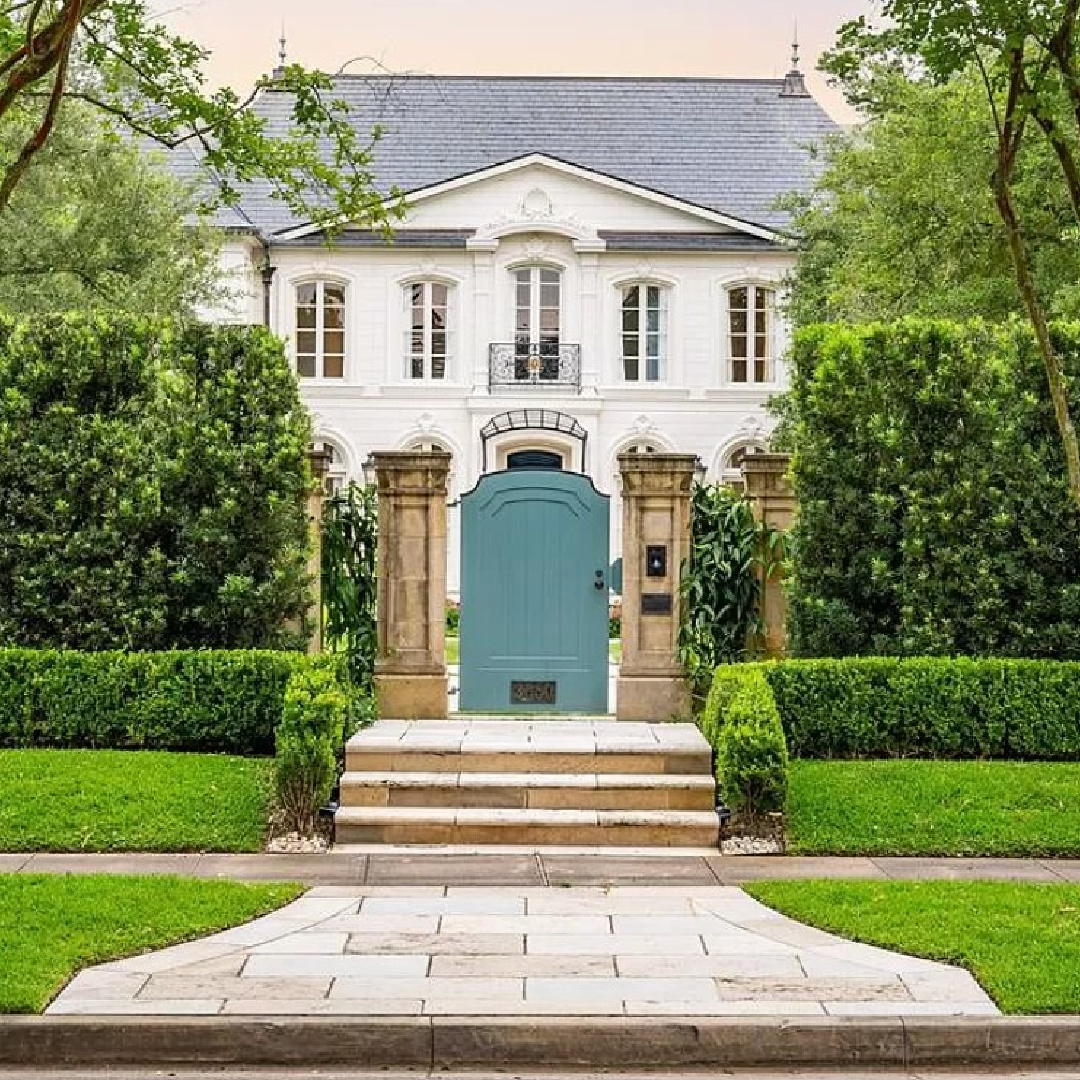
x: 518, y: 781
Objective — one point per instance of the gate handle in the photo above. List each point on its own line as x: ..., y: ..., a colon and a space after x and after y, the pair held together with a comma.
x: 599, y: 584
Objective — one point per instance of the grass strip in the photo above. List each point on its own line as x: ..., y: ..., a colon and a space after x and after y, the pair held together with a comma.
x: 113, y: 800
x: 1020, y: 941
x: 53, y: 926
x: 962, y: 808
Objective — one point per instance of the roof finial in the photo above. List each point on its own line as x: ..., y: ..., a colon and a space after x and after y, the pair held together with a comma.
x: 283, y: 53
x: 794, y: 81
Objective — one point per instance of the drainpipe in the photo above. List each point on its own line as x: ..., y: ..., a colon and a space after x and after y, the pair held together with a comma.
x: 267, y: 271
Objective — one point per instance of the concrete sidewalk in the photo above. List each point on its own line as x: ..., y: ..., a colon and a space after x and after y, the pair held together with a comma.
x: 448, y: 867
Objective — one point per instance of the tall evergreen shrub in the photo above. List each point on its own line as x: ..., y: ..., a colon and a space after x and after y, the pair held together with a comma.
x: 934, y: 517
x: 152, y: 481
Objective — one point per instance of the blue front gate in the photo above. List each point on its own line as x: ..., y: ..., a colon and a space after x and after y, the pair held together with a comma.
x: 534, y: 594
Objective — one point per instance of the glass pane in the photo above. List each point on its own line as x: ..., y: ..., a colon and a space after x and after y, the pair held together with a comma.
x: 738, y: 345
x: 738, y: 322
x: 305, y: 367
x: 653, y: 296
x: 305, y: 294
x: 630, y: 345
x: 523, y: 322
x: 549, y: 296
x: 737, y: 299
x: 334, y: 318
x: 549, y: 276
x: 524, y: 296
x: 523, y: 276
x: 305, y: 317
x: 417, y: 367
x: 438, y: 319
x: 761, y: 345
x: 549, y: 320
x: 439, y: 294
x: 334, y: 294
x: 438, y: 343
x: 630, y: 319
x: 334, y: 367
x: 759, y: 371
x: 305, y: 342
x: 438, y: 367
x: 418, y: 318
x: 652, y: 369
x: 654, y: 320
x: 738, y: 371
x: 416, y: 295
x: 763, y: 298
x: 630, y: 296
x: 761, y: 321
x: 630, y: 368
x: 418, y: 342
x: 652, y: 345
x: 334, y: 342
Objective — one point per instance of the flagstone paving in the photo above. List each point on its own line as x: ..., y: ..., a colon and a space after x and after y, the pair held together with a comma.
x: 416, y: 950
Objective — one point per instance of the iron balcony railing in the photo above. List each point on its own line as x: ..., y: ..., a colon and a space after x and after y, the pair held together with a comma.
x: 526, y: 363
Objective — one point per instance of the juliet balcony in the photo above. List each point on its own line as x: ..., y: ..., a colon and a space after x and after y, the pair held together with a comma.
x: 550, y: 365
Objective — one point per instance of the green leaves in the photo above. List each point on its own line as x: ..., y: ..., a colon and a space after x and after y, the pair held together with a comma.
x: 933, y: 515
x: 721, y: 582
x: 152, y: 486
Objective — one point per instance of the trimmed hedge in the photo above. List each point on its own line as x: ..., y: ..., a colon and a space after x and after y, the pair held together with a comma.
x: 928, y: 707
x: 206, y: 701
x: 742, y: 723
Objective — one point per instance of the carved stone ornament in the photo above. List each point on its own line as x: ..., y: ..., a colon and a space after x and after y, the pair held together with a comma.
x: 536, y: 248
x: 753, y: 427
x: 426, y: 423
x: 644, y: 426
x: 537, y: 213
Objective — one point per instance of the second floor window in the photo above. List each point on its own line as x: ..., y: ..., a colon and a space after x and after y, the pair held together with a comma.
x: 751, y: 318
x: 537, y: 321
x: 320, y: 330
x: 644, y: 333
x: 428, y: 333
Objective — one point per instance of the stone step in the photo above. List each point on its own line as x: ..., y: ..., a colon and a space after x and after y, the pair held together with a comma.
x: 569, y: 828
x: 537, y: 791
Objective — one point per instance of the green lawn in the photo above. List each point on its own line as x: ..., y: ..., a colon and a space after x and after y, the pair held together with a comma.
x: 107, y: 800
x: 53, y: 926
x: 1022, y: 942
x: 453, y: 650
x: 934, y: 808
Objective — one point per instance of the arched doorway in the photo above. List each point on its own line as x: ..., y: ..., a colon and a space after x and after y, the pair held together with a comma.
x: 534, y: 459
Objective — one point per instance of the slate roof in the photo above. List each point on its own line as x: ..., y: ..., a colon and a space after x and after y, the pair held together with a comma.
x: 729, y: 145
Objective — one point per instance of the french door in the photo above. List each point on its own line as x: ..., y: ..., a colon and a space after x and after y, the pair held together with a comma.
x: 537, y: 322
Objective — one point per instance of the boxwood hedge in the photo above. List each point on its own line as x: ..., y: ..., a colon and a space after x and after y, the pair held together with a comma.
x: 207, y: 701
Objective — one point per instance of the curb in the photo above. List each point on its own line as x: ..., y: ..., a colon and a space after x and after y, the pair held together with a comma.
x: 493, y: 1043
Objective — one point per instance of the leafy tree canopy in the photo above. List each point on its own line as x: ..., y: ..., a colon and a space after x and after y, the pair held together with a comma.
x: 97, y: 225
x: 115, y: 57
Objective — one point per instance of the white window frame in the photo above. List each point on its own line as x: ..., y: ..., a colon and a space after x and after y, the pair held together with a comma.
x: 320, y: 329
x: 753, y: 289
x: 663, y: 333
x: 427, y: 355
x: 536, y: 285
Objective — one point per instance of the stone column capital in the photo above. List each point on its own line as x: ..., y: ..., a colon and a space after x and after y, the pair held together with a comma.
x: 411, y: 471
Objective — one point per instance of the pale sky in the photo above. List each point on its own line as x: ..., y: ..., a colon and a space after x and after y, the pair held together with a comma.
x: 747, y: 38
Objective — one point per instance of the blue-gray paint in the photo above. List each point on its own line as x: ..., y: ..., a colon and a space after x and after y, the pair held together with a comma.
x: 534, y: 591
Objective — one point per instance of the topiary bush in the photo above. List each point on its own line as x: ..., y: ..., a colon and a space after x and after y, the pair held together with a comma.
x: 307, y: 744
x: 205, y: 701
x: 742, y: 723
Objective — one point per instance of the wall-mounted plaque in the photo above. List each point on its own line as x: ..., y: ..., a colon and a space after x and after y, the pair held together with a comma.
x: 532, y: 693
x: 656, y: 603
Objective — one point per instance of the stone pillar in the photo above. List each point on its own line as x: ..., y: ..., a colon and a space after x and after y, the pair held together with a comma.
x: 766, y: 486
x: 656, y: 541
x: 410, y: 668
x: 319, y: 460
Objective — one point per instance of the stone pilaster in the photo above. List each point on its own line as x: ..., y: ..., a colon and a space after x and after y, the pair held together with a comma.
x: 410, y: 668
x: 656, y: 492
x: 766, y: 485
x: 319, y: 460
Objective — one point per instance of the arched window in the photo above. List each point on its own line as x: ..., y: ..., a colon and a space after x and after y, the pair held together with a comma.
x: 337, y: 475
x: 428, y: 345
x: 320, y: 330
x: 751, y: 333
x: 537, y: 322
x: 644, y: 332
x: 731, y: 466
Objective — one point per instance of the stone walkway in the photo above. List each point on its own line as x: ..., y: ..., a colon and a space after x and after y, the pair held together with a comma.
x: 450, y: 951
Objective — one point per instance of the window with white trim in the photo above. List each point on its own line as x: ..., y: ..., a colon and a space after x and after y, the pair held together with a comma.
x: 644, y: 332
x: 336, y: 477
x: 320, y: 330
x: 428, y: 333
x: 731, y: 467
x: 751, y: 333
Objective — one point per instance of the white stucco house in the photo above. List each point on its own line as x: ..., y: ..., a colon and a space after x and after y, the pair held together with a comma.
x: 587, y: 266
